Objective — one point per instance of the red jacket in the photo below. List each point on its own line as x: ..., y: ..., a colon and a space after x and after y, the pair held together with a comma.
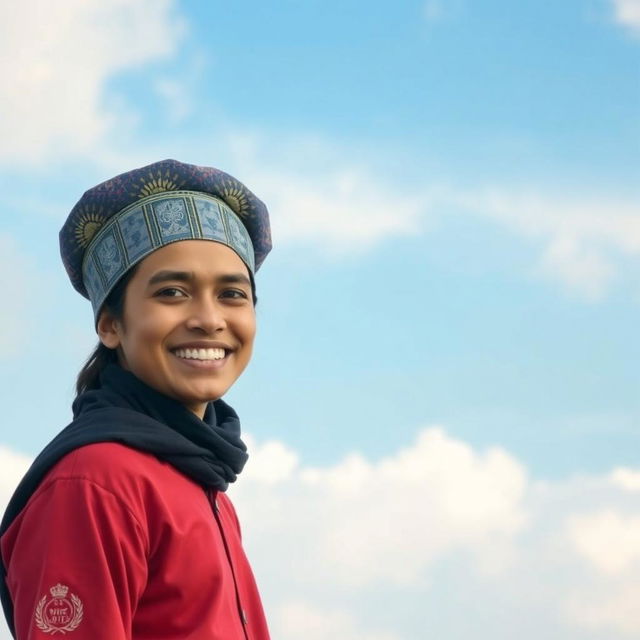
x: 116, y: 545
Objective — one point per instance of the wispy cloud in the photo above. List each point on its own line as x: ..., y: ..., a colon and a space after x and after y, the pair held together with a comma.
x: 325, y: 197
x: 627, y: 14
x: 433, y: 10
x: 582, y: 241
x: 339, y: 206
x: 344, y: 210
x: 55, y: 61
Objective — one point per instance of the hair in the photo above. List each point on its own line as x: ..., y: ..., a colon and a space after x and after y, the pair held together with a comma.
x: 101, y: 356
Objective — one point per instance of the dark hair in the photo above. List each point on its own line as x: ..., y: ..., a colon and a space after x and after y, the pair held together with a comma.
x: 101, y: 356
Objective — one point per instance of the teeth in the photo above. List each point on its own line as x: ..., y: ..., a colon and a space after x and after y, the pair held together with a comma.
x: 200, y: 354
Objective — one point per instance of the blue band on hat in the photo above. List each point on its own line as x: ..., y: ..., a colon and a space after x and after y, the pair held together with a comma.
x: 154, y: 222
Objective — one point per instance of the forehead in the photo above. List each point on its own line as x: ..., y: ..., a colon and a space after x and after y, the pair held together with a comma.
x: 202, y: 257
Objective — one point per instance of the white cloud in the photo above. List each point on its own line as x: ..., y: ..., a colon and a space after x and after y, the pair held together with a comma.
x: 627, y: 13
x: 609, y: 541
x: 324, y: 197
x: 614, y: 611
x: 55, y: 61
x: 440, y: 495
x: 272, y: 462
x: 13, y: 466
x: 582, y: 240
x: 439, y: 522
x: 341, y: 210
x: 297, y: 619
x: 338, y: 204
x: 413, y: 526
x: 625, y: 478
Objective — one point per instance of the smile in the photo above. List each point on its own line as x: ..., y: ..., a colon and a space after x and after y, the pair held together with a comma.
x: 200, y: 354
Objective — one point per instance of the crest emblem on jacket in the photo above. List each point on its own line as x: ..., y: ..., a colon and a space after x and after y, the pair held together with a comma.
x: 60, y: 612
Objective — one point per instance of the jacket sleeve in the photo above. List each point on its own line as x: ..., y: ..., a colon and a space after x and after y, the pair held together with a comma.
x: 76, y: 561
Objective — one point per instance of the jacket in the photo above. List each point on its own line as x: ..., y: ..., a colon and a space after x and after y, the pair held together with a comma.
x: 118, y: 545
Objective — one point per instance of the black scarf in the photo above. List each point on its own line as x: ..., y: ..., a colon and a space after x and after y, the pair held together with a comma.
x: 126, y: 410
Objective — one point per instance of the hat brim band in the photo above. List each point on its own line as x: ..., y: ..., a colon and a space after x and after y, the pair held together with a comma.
x: 154, y: 222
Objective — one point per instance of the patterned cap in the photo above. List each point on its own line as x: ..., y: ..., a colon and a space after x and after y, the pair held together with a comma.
x: 121, y: 221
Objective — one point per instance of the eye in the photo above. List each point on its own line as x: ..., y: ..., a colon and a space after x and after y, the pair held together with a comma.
x: 234, y: 294
x: 170, y: 292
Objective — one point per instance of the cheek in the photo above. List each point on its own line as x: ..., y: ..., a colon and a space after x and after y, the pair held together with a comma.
x: 249, y: 330
x: 145, y: 333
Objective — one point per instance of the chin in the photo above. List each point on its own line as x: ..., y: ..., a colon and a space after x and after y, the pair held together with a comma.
x: 201, y: 398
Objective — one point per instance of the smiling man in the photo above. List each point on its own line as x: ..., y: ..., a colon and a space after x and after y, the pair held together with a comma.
x: 121, y: 529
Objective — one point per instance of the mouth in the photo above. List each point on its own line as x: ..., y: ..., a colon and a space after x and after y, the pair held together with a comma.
x: 203, y: 355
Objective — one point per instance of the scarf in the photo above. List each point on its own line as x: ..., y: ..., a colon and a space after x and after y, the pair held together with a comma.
x: 125, y: 410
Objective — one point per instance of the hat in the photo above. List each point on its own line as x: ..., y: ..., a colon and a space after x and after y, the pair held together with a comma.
x: 121, y: 221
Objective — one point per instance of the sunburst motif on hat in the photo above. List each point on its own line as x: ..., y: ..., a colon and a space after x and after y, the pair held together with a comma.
x: 90, y: 221
x: 157, y: 184
x: 235, y: 196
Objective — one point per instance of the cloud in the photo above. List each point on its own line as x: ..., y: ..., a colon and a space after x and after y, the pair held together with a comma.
x: 611, y: 609
x: 433, y: 527
x: 13, y: 466
x: 464, y: 500
x: 433, y: 10
x: 342, y: 210
x: 626, y: 479
x: 609, y: 541
x: 582, y: 241
x: 336, y: 205
x: 56, y: 60
x: 176, y: 96
x: 322, y: 196
x: 299, y: 619
x: 384, y: 549
x: 627, y: 14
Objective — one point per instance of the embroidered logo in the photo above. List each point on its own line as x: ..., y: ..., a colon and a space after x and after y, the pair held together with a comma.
x: 59, y: 614
x: 172, y: 216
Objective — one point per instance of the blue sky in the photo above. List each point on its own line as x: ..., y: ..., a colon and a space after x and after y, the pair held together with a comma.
x: 454, y: 194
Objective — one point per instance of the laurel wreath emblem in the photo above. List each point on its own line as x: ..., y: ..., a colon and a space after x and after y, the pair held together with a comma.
x: 73, y: 623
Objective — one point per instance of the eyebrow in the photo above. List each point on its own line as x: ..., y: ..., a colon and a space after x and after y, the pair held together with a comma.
x: 189, y: 276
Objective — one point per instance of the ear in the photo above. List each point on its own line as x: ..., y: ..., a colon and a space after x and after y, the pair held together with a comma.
x: 109, y: 329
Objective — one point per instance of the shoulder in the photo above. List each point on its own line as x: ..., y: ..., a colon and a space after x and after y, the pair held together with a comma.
x: 105, y: 463
x: 133, y: 475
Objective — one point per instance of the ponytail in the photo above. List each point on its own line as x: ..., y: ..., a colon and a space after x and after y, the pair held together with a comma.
x: 89, y: 376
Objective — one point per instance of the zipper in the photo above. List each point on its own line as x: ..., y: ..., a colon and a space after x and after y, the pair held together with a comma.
x: 213, y: 501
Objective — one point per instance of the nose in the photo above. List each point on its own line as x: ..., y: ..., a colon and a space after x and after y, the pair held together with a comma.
x: 206, y: 316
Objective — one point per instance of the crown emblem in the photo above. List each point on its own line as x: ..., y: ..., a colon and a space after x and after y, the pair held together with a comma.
x: 59, y: 591
x: 59, y: 614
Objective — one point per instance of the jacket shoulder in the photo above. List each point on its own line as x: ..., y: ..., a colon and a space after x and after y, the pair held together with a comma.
x: 105, y: 463
x: 135, y: 476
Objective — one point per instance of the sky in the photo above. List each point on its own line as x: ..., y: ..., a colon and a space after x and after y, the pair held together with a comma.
x: 442, y: 408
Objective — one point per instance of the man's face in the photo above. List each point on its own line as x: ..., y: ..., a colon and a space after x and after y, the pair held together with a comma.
x: 189, y: 322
